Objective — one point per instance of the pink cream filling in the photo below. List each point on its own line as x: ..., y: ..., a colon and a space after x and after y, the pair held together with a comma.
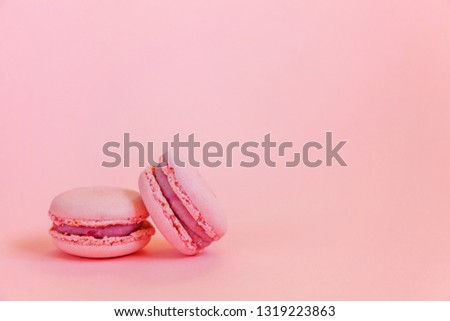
x: 98, y: 232
x: 195, y: 231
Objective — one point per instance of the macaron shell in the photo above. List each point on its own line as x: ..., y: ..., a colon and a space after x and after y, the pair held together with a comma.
x: 101, y: 251
x: 98, y: 205
x: 163, y: 216
x: 200, y: 194
x: 87, y: 246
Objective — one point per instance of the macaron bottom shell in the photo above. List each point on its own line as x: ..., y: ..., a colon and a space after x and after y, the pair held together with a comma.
x: 106, y: 247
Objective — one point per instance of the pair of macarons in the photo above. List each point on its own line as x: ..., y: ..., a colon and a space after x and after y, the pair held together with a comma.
x: 102, y: 222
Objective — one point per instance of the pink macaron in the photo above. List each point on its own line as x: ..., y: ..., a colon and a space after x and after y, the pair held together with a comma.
x: 182, y: 206
x: 99, y: 222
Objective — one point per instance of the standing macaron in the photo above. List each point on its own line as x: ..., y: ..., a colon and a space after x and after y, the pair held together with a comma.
x: 182, y: 206
x: 99, y: 222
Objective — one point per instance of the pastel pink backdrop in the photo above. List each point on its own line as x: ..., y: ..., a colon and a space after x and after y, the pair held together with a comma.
x: 75, y: 74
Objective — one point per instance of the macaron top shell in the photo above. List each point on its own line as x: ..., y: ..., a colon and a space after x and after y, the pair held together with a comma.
x: 98, y: 206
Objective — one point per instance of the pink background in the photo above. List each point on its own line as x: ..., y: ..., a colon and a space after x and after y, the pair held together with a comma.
x: 76, y: 74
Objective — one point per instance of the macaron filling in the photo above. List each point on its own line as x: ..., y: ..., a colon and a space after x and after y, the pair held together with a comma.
x: 98, y: 231
x: 195, y: 231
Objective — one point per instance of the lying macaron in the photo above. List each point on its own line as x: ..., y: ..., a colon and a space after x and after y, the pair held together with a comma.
x: 99, y: 222
x: 182, y: 206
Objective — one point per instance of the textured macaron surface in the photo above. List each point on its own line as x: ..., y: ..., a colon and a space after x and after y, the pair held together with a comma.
x: 144, y: 232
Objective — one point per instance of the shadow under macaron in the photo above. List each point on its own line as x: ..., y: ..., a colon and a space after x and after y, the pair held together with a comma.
x: 41, y: 245
x: 158, y: 264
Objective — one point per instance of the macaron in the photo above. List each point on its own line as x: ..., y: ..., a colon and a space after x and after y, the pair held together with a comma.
x: 182, y: 206
x: 99, y: 222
